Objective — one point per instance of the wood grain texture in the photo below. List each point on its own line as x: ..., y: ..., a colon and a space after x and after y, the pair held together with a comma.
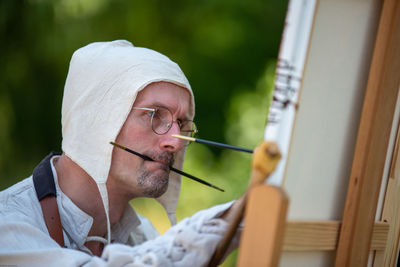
x: 372, y: 141
x: 391, y: 212
x: 324, y: 235
x: 262, y: 237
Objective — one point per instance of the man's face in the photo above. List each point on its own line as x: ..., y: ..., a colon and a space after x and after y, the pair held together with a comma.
x: 131, y: 175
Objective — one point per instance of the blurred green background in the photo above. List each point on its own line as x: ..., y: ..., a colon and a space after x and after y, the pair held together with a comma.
x: 227, y: 49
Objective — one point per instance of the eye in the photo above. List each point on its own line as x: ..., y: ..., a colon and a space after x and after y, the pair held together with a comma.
x: 180, y: 124
x: 188, y: 127
x: 150, y: 113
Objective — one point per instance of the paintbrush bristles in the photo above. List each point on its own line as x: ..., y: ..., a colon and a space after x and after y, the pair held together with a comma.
x: 191, y: 139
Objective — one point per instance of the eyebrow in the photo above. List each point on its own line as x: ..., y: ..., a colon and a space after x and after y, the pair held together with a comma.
x: 161, y: 105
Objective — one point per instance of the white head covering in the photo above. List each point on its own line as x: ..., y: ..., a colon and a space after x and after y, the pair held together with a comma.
x: 103, y: 81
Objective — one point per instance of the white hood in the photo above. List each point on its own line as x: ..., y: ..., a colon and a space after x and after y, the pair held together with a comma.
x: 103, y: 81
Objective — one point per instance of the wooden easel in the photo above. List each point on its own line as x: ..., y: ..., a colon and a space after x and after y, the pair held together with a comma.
x: 262, y: 238
x: 358, y: 234
x: 372, y: 142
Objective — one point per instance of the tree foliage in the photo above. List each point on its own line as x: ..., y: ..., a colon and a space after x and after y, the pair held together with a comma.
x: 227, y: 49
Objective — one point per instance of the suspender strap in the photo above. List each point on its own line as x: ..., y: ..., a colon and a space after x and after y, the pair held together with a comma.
x: 45, y: 187
x: 52, y: 218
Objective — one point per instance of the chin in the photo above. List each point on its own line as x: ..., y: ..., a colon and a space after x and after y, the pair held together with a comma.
x: 155, y: 185
x: 158, y: 193
x: 155, y: 192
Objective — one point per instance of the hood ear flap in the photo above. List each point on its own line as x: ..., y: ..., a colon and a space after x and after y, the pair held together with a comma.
x: 104, y: 197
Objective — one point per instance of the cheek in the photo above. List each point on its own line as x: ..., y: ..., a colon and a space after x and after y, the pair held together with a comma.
x: 128, y: 132
x: 136, y: 137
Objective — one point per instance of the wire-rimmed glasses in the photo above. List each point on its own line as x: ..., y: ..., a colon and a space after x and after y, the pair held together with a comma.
x: 161, y: 119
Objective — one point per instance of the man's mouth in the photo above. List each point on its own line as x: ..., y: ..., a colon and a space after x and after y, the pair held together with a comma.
x: 164, y: 159
x: 164, y: 162
x: 162, y: 165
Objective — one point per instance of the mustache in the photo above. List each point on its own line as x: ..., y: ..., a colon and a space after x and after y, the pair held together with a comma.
x: 165, y: 157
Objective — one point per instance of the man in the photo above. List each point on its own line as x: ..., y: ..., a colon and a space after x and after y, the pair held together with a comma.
x: 137, y: 98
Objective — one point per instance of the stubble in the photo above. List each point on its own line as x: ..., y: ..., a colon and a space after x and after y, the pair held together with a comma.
x: 153, y: 184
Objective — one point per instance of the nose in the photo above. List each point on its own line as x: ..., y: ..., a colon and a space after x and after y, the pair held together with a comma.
x: 169, y: 143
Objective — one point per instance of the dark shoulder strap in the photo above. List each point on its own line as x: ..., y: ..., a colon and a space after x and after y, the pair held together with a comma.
x: 45, y: 187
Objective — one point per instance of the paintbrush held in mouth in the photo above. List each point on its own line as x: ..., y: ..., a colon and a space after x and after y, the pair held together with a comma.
x: 202, y: 141
x: 170, y: 167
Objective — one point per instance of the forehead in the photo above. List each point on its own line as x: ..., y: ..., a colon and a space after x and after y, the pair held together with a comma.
x: 166, y: 94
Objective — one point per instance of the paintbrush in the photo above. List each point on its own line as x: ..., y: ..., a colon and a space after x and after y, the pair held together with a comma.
x: 170, y: 167
x: 202, y: 141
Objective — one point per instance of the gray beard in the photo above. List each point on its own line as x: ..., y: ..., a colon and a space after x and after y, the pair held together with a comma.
x: 153, y: 185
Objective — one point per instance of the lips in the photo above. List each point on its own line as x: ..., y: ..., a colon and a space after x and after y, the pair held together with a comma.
x: 158, y: 165
x: 164, y: 158
x: 162, y: 161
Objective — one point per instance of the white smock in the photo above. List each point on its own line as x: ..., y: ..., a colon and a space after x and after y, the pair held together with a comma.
x: 25, y: 241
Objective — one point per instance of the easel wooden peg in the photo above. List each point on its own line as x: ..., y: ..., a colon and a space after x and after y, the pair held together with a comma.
x: 265, y: 159
x: 265, y: 219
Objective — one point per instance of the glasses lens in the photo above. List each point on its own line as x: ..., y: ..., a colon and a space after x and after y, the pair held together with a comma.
x: 161, y: 120
x: 188, y: 128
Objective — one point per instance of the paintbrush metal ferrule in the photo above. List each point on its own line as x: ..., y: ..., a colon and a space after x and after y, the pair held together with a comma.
x: 117, y: 145
x: 170, y: 167
x: 212, y: 143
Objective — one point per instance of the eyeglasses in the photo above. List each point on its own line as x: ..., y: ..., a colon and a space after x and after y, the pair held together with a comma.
x: 161, y: 121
